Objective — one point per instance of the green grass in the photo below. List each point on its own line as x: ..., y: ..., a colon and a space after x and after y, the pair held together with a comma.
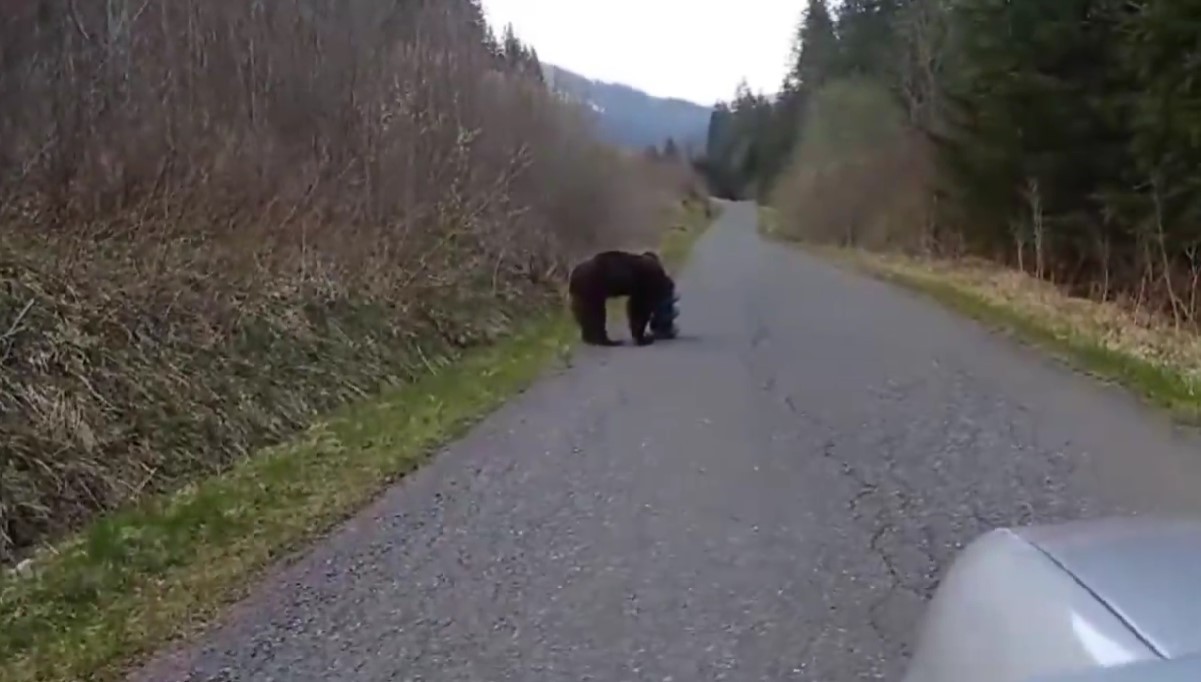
x: 130, y: 583
x: 133, y: 581
x: 769, y: 221
x: 690, y: 223
x: 1159, y: 385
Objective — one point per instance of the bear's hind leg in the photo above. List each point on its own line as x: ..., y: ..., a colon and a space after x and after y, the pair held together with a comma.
x: 591, y: 317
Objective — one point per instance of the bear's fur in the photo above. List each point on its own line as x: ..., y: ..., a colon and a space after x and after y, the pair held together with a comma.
x: 640, y: 277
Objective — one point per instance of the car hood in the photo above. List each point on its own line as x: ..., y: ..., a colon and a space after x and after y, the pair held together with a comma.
x: 1098, y: 599
x: 1148, y: 572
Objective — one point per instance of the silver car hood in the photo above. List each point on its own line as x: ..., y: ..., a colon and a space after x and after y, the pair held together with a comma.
x: 1094, y: 599
x: 1147, y: 572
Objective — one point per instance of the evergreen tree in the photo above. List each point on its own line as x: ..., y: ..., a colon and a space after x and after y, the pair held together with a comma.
x: 1160, y: 58
x: 815, y: 50
x: 670, y: 151
x: 1030, y: 128
x: 534, y: 66
x: 512, y: 48
x: 867, y: 32
x: 1072, y: 127
x: 738, y: 145
x: 518, y: 58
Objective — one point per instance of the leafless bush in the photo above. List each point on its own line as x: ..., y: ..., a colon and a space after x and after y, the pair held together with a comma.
x: 220, y: 218
x: 860, y: 177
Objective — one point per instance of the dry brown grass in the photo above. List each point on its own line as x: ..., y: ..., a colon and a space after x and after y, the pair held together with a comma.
x: 1148, y: 353
x: 862, y: 179
x: 95, y: 604
x: 1116, y: 326
x: 222, y: 219
x: 860, y: 176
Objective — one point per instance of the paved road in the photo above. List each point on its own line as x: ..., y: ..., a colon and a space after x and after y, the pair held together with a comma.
x: 770, y: 498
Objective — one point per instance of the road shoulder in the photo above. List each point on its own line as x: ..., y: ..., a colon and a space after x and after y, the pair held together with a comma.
x: 1146, y: 354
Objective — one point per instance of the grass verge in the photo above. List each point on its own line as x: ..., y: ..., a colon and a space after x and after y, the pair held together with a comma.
x: 1111, y: 341
x: 135, y: 580
x: 692, y: 219
x: 130, y: 583
x: 769, y: 222
x: 1154, y: 360
x: 1150, y: 356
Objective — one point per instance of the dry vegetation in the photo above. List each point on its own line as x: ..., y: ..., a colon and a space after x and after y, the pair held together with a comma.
x: 1121, y: 326
x: 862, y: 181
x: 91, y: 606
x: 859, y: 176
x: 1056, y: 141
x: 222, y: 219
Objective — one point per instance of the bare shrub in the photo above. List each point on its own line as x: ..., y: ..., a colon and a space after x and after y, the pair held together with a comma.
x: 860, y: 176
x: 222, y: 218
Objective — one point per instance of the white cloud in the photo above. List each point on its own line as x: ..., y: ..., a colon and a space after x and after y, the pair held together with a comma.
x: 693, y: 49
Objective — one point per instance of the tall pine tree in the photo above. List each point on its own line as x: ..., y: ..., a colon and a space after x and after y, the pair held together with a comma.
x: 1031, y: 138
x: 815, y: 50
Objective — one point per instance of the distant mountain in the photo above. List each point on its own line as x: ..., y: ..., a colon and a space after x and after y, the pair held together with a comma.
x: 632, y: 118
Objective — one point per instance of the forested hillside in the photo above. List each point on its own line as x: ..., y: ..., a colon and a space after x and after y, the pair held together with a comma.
x: 1059, y: 137
x: 632, y: 118
x: 221, y: 219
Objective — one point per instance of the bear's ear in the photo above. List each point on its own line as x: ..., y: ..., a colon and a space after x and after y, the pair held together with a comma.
x: 651, y: 255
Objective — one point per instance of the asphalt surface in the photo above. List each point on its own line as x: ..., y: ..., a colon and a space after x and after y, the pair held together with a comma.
x: 771, y: 497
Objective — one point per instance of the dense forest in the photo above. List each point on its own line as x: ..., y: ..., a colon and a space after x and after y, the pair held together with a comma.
x: 221, y: 219
x: 1058, y: 137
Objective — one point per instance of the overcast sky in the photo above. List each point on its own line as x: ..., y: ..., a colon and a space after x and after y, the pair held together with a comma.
x: 693, y: 49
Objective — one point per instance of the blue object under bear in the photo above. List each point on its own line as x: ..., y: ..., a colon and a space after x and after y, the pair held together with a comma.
x: 663, y: 319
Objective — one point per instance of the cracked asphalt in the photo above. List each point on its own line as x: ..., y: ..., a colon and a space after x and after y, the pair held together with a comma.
x: 771, y: 497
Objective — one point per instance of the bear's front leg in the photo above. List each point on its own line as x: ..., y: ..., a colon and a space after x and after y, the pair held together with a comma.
x: 638, y: 311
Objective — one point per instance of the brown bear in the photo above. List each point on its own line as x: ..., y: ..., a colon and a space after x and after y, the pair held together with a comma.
x: 640, y: 277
